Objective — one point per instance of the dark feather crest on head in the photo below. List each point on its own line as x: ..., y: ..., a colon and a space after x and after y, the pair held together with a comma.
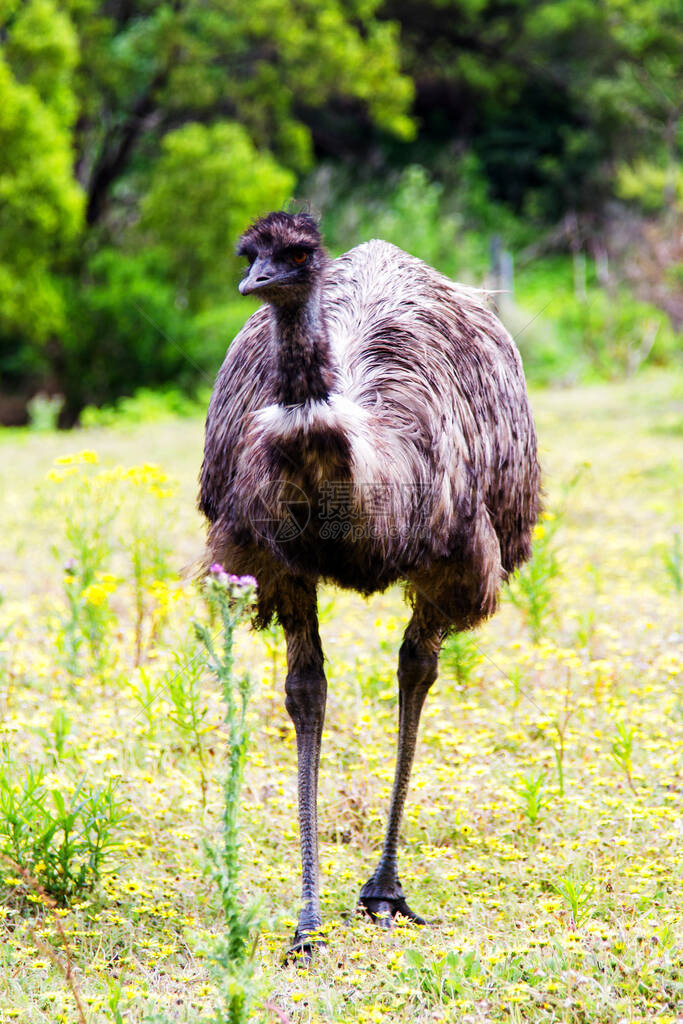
x: 280, y: 230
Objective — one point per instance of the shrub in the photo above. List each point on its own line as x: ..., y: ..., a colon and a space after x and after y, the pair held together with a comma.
x: 407, y: 212
x: 126, y: 331
x: 60, y: 838
x: 144, y: 406
x: 459, y: 657
x: 530, y: 588
x: 109, y: 518
x: 232, y: 957
x: 617, y: 333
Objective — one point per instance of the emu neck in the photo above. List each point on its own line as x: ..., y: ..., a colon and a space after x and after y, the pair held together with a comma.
x: 306, y: 371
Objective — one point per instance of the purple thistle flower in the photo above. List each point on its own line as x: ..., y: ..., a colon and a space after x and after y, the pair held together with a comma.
x: 244, y: 581
x: 230, y: 579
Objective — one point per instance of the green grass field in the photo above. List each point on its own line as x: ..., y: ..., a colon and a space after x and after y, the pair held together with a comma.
x: 544, y: 906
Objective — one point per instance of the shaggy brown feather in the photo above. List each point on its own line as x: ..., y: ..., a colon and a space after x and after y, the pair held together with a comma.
x: 424, y: 404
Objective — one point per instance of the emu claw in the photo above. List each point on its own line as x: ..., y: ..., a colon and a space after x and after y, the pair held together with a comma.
x: 301, y: 952
x: 383, y: 910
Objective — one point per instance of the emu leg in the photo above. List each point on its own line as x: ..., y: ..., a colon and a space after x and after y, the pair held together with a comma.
x: 306, y: 693
x: 382, y: 896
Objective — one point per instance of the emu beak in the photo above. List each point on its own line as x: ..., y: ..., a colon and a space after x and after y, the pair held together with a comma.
x: 261, y: 273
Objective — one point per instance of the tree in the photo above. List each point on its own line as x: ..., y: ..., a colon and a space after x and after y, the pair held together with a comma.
x: 136, y: 140
x: 41, y: 205
x: 553, y: 95
x: 148, y: 68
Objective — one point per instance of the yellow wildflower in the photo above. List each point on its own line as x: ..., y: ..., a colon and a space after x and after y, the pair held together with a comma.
x: 95, y: 594
x: 86, y: 457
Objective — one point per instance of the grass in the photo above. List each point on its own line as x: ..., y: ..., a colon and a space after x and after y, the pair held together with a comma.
x: 563, y: 904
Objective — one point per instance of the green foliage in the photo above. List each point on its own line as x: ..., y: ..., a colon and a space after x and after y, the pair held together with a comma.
x: 560, y: 726
x: 232, y: 957
x: 114, y: 996
x: 122, y: 184
x: 562, y: 336
x: 553, y: 96
x: 531, y: 589
x: 408, y: 213
x: 213, y: 330
x: 441, y: 216
x: 137, y: 140
x: 533, y: 795
x: 56, y: 736
x: 125, y: 327
x: 41, y: 209
x: 443, y: 979
x: 673, y: 562
x: 459, y: 656
x: 565, y: 336
x: 654, y: 186
x: 145, y: 406
x: 109, y: 519
x: 43, y: 411
x: 274, y: 642
x: 182, y: 687
x: 548, y: 357
x: 59, y: 838
x: 42, y: 47
x: 86, y: 558
x: 88, y: 617
x: 621, y: 749
x: 41, y: 204
x: 146, y: 549
x: 146, y: 690
x: 616, y: 333
x: 577, y: 895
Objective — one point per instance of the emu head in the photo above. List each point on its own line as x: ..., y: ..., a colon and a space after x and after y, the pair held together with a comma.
x: 286, y: 258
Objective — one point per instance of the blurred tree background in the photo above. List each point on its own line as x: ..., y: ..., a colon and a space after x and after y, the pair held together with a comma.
x: 519, y: 143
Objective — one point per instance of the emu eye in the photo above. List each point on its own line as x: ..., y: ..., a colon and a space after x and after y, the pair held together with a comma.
x: 299, y: 257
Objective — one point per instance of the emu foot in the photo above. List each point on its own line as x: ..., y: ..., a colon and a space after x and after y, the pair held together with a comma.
x: 303, y: 948
x: 383, y: 903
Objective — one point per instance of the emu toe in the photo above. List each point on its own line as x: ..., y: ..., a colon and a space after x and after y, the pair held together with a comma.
x: 383, y: 911
x: 302, y: 950
x: 383, y: 903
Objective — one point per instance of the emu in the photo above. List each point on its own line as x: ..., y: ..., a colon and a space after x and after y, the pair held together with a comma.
x: 369, y: 425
